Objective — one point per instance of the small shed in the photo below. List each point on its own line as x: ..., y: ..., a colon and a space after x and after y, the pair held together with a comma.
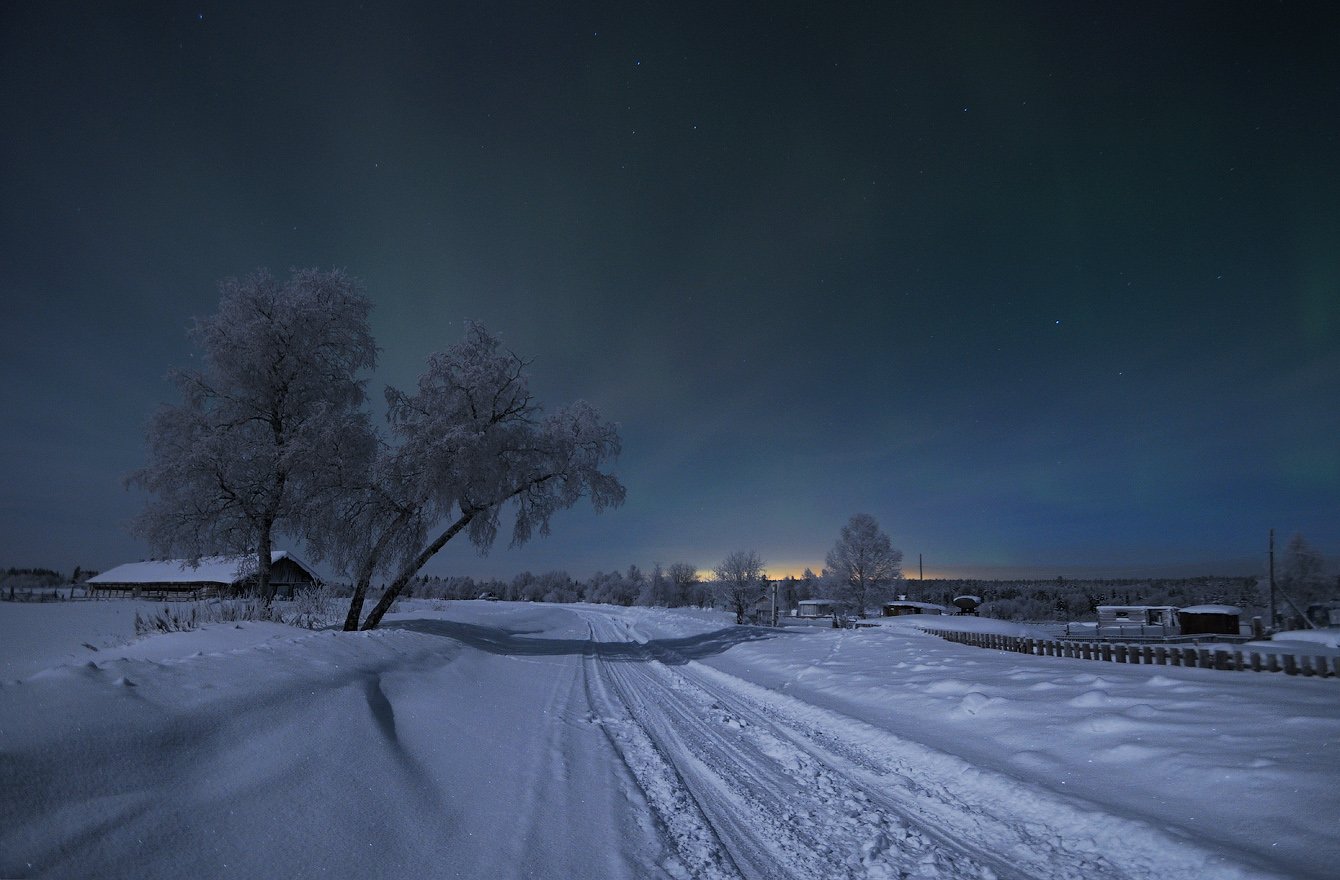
x: 1225, y: 620
x: 900, y: 607
x: 815, y: 608
x: 967, y: 604
x: 1324, y: 613
x: 212, y: 576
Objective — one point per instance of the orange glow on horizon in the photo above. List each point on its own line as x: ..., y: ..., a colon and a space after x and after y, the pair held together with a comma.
x: 797, y: 569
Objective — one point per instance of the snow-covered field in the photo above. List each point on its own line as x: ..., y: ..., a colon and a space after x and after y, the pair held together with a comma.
x: 482, y: 739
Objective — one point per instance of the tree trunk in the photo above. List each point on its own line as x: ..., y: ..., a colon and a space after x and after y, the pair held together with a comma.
x: 364, y: 578
x: 360, y: 592
x: 398, y: 585
x: 263, y: 562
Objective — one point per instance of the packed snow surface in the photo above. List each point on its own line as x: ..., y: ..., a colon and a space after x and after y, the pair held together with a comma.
x: 489, y: 739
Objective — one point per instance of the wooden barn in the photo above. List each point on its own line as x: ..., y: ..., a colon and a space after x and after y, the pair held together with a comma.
x: 1223, y: 620
x: 212, y: 576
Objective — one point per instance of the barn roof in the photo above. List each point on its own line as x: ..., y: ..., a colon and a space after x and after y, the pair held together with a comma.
x: 225, y: 570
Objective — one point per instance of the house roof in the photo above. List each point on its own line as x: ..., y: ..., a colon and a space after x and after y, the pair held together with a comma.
x: 816, y: 602
x: 909, y: 603
x: 210, y: 570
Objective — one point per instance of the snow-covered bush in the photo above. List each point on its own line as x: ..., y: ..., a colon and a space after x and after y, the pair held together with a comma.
x: 313, y: 607
x: 167, y: 620
x: 197, y: 614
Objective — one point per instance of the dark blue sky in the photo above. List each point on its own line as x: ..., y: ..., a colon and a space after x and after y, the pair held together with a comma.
x: 1047, y: 289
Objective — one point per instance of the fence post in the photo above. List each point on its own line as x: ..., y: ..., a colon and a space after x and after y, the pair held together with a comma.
x: 1290, y: 664
x: 1174, y: 655
x: 1221, y: 660
x: 1121, y: 653
x: 1256, y: 662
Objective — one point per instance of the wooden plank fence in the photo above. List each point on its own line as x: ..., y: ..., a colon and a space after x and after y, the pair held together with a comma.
x: 1153, y: 655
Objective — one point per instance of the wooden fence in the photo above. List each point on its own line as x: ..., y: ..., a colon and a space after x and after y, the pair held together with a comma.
x: 1153, y: 655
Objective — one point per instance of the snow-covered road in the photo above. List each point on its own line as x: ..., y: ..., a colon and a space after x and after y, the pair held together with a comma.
x: 755, y: 784
x: 500, y: 740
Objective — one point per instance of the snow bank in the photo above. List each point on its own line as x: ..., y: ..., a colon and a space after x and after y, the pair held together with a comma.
x: 475, y: 739
x: 1329, y: 638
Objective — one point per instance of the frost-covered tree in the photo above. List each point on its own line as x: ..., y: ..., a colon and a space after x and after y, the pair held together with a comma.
x: 656, y: 589
x: 610, y: 589
x: 249, y: 452
x: 468, y: 443
x: 863, y: 565
x: 1303, y: 578
x: 740, y: 581
x: 809, y: 582
x: 684, y: 584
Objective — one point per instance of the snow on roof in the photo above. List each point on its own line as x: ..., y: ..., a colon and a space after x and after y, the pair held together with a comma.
x: 211, y: 570
x: 815, y: 602
x: 1137, y: 607
x: 1212, y: 609
x: 908, y: 603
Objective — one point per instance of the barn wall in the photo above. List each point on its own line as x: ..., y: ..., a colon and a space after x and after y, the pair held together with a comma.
x: 1211, y: 624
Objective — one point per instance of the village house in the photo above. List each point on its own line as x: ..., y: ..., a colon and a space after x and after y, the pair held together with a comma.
x: 902, y: 605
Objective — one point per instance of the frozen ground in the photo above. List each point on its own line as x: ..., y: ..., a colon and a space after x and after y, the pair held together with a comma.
x: 475, y: 739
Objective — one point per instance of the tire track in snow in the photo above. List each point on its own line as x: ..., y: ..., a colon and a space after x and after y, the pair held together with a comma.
x: 1005, y: 827
x: 776, y: 810
x: 697, y: 851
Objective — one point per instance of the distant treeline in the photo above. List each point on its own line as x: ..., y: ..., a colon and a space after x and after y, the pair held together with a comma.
x: 1037, y: 600
x: 41, y: 578
x: 1059, y: 599
x: 630, y: 587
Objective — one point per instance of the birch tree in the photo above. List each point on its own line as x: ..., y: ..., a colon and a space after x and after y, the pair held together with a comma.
x: 247, y: 453
x: 740, y: 582
x: 469, y: 444
x: 863, y: 565
x: 684, y: 580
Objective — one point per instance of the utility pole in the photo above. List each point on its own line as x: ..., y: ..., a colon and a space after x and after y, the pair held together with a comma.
x: 774, y: 603
x: 921, y: 572
x: 1272, y: 579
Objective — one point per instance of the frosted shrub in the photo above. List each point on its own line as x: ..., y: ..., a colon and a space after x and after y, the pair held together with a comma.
x: 312, y: 607
x: 168, y: 620
x: 197, y: 614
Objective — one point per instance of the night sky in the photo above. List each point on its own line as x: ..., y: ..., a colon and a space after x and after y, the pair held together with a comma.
x: 1049, y: 289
